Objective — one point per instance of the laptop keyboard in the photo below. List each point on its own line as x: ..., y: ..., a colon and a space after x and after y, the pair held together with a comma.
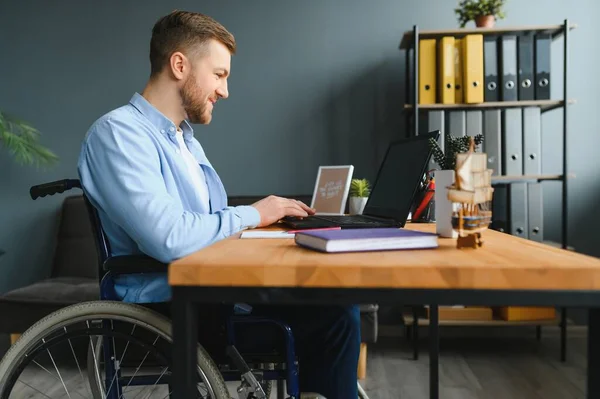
x: 351, y: 219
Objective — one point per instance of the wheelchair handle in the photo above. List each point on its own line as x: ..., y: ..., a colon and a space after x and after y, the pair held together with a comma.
x: 55, y: 187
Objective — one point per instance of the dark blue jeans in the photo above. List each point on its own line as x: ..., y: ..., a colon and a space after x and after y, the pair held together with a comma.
x: 327, y: 345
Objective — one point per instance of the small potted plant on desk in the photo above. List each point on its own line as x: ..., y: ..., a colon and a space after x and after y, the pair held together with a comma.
x: 444, y: 177
x: 483, y: 12
x: 359, y: 193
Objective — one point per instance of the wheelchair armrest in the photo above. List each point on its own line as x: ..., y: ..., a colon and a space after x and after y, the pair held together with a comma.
x: 130, y: 264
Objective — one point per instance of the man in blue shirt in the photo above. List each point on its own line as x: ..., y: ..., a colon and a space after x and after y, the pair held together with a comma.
x: 157, y: 194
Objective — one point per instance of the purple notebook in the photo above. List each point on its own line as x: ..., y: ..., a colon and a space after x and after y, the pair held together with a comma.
x: 354, y: 240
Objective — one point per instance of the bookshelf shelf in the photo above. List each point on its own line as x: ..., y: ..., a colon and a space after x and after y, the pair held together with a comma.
x: 408, y: 320
x: 554, y: 30
x: 545, y: 105
x: 497, y: 112
x: 506, y: 179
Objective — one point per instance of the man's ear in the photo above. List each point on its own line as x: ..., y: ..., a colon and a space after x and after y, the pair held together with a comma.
x: 179, y: 64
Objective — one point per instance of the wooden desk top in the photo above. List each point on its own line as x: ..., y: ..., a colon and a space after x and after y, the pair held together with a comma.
x: 504, y: 262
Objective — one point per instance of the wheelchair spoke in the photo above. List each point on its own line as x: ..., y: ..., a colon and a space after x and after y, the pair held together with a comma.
x: 139, y: 366
x: 117, y: 362
x: 52, y: 375
x: 37, y: 390
x: 57, y: 371
x: 120, y: 361
x: 153, y: 388
x: 77, y: 362
x: 126, y: 346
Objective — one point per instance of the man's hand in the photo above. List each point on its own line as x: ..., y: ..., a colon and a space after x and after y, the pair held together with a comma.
x: 273, y: 208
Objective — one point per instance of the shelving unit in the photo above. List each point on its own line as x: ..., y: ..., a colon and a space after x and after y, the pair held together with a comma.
x: 410, y: 43
x: 544, y: 105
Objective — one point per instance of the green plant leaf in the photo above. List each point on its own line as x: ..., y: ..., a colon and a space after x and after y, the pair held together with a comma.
x: 359, y: 188
x: 21, y: 141
x: 469, y: 10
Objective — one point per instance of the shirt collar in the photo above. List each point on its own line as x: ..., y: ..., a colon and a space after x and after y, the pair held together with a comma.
x: 158, y: 119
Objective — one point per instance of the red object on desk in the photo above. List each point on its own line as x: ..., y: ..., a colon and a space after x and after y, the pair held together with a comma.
x: 319, y: 229
x: 426, y: 199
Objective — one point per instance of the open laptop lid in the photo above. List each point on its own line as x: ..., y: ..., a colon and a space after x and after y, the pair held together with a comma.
x: 397, y: 182
x: 331, y: 189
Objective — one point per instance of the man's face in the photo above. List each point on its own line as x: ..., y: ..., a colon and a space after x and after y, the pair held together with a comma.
x: 206, y: 82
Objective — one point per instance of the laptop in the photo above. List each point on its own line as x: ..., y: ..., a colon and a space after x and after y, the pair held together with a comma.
x: 392, y: 194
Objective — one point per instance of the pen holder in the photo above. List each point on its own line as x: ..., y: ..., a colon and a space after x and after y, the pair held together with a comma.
x: 425, y: 212
x: 423, y: 209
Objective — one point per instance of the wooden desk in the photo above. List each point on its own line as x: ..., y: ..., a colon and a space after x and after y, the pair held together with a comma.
x: 507, y: 270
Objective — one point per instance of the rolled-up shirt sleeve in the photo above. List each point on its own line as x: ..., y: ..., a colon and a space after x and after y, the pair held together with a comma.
x: 121, y: 174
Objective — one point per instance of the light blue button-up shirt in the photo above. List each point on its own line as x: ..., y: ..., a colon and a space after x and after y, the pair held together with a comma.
x: 132, y: 171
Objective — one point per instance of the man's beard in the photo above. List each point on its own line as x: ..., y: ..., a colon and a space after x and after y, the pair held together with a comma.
x: 194, y: 102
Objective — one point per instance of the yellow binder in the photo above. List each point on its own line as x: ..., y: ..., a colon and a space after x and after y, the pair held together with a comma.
x: 427, y: 78
x: 473, y: 68
x: 458, y: 72
x: 446, y: 70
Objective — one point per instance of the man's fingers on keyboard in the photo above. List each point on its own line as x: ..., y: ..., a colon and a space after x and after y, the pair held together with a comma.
x: 307, y: 208
x: 295, y: 211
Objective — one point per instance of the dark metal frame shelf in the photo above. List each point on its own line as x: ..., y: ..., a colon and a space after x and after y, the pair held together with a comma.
x: 410, y: 43
x: 544, y: 105
x: 407, y: 41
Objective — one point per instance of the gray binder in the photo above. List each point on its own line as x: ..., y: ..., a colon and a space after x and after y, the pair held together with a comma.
x: 435, y: 121
x: 508, y: 68
x: 492, y: 140
x: 512, y: 139
x: 457, y: 124
x: 542, y: 66
x: 535, y: 211
x: 490, y: 67
x: 526, y: 52
x: 532, y: 141
x: 474, y: 123
x: 518, y: 210
x: 500, y: 216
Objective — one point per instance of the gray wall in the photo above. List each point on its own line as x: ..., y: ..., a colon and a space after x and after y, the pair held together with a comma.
x: 314, y: 82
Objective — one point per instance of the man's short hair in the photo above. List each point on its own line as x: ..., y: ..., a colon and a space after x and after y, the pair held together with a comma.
x: 184, y: 31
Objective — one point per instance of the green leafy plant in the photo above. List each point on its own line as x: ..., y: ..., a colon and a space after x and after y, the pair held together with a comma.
x: 469, y: 10
x: 21, y: 140
x: 359, y: 188
x: 453, y: 145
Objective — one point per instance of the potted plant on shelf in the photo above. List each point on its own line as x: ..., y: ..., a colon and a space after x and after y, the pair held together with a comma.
x: 444, y: 177
x: 359, y: 193
x: 483, y: 12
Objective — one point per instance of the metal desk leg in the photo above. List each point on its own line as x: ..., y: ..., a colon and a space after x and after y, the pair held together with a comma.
x: 185, y: 333
x: 563, y: 334
x: 434, y: 352
x: 415, y: 333
x: 593, y: 377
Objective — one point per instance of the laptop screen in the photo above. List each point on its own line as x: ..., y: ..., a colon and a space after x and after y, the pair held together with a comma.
x: 403, y: 167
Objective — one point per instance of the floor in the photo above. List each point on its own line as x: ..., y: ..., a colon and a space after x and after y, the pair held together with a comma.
x: 475, y: 363
x: 482, y: 363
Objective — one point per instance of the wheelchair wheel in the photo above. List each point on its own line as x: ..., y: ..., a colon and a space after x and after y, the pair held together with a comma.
x: 130, y: 348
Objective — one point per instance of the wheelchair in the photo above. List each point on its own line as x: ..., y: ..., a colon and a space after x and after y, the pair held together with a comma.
x: 109, y: 349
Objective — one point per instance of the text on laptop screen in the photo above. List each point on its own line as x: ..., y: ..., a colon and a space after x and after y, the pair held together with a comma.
x: 398, y: 179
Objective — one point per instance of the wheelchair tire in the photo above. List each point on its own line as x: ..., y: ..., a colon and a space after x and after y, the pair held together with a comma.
x: 93, y: 310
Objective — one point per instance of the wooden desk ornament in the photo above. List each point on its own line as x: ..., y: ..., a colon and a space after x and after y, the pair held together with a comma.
x: 471, y: 197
